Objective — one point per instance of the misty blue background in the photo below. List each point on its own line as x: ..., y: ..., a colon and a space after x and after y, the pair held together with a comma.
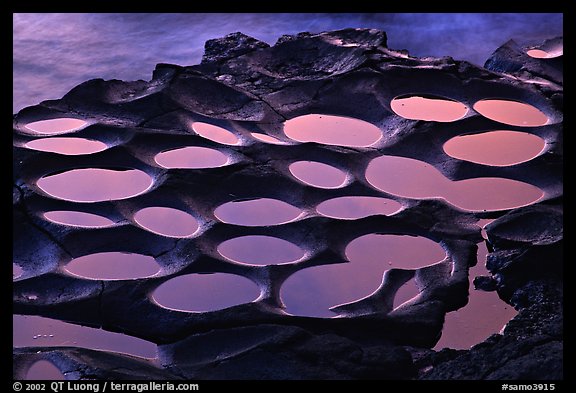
x: 52, y: 53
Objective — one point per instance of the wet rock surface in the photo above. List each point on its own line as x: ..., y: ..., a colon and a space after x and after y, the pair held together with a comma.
x: 247, y: 86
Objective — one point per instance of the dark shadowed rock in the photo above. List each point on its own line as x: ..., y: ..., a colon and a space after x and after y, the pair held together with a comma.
x: 229, y: 46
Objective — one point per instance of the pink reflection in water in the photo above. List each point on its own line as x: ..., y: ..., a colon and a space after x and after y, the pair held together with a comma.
x: 416, y: 179
x: 511, y: 112
x: 56, y: 126
x: 260, y: 250
x: 30, y: 331
x: 16, y: 271
x: 484, y: 315
x: 406, y: 292
x: 191, y: 157
x: 257, y: 212
x: 79, y: 219
x: 429, y: 108
x: 312, y: 291
x: 497, y: 148
x: 215, y: 133
x: 318, y: 174
x: 205, y: 292
x: 95, y: 185
x: 267, y: 138
x: 67, y: 146
x: 113, y: 266
x: 542, y: 54
x: 332, y: 130
x: 167, y: 221
x: 44, y: 370
x: 354, y: 207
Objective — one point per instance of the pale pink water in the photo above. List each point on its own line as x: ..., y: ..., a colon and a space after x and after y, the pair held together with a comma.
x: 113, y: 266
x: 257, y: 212
x: 191, y: 157
x: 67, y: 146
x: 167, y: 221
x: 429, y: 108
x: 215, y: 133
x: 318, y: 174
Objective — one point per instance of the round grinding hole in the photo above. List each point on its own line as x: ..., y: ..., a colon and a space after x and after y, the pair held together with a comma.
x: 167, y: 221
x: 406, y: 177
x: 191, y: 157
x: 205, y: 292
x: 355, y: 207
x: 318, y: 174
x: 16, y: 271
x: 542, y: 54
x: 511, y: 112
x: 95, y: 185
x: 429, y: 108
x: 312, y: 291
x: 113, y: 266
x: 496, y: 148
x: 67, y: 146
x: 44, y: 370
x: 257, y: 212
x: 56, y: 126
x: 266, y: 138
x: 34, y: 331
x: 492, y: 194
x: 332, y: 130
x: 260, y: 250
x: 78, y: 219
x: 215, y: 133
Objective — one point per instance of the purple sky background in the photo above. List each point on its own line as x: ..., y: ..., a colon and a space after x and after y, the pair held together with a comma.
x: 52, y: 53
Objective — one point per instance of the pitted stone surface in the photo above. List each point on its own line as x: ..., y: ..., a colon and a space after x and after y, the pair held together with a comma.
x: 246, y: 86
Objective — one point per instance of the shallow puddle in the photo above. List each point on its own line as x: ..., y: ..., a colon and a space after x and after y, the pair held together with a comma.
x: 257, y: 212
x: 312, y: 291
x: 332, y: 130
x: 16, y: 271
x: 318, y: 174
x: 34, y: 331
x: 215, y: 133
x: 266, y: 138
x: 67, y: 146
x: 510, y: 112
x: 411, y: 178
x: 260, y: 250
x: 542, y: 54
x: 78, y: 219
x: 484, y: 315
x: 428, y: 108
x: 44, y: 370
x: 167, y: 221
x: 355, y: 207
x: 191, y: 157
x: 56, y: 126
x: 113, y: 266
x: 95, y: 184
x: 497, y: 148
x: 205, y: 292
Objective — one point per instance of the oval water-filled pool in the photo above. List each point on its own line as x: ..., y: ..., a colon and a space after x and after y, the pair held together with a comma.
x: 267, y: 138
x: 191, y: 157
x: 312, y: 291
x: 215, y: 133
x: 260, y: 250
x: 95, y: 184
x: 78, y: 219
x: 496, y: 148
x: 257, y: 212
x: 205, y: 292
x: 67, y: 146
x: 511, y: 112
x: 332, y: 130
x: 354, y: 207
x: 35, y: 331
x: 318, y: 174
x: 429, y: 108
x: 44, y: 370
x: 167, y: 221
x: 113, y: 266
x: 61, y: 125
x: 542, y: 54
x: 412, y: 178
